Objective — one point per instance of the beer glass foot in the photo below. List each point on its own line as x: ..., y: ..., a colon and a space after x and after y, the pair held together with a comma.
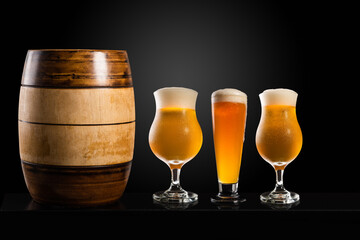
x: 175, y: 197
x: 219, y: 199
x: 282, y: 197
x: 228, y: 194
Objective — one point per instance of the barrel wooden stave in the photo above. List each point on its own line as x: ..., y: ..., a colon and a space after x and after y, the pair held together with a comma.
x: 66, y: 145
x: 77, y: 68
x: 76, y: 125
x: 77, y: 106
x: 76, y: 186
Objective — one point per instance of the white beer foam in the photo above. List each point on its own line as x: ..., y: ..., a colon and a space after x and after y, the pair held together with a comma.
x: 229, y: 95
x: 278, y: 96
x: 175, y: 97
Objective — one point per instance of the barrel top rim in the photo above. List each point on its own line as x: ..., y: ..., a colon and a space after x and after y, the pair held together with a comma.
x: 75, y: 50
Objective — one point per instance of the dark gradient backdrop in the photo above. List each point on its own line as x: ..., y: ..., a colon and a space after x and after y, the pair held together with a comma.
x: 203, y: 45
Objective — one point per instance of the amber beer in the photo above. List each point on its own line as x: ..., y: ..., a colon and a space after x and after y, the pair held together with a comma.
x: 279, y: 138
x: 175, y: 136
x: 228, y: 117
x: 283, y: 139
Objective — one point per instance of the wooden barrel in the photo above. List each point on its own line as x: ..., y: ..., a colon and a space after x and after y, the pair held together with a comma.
x: 76, y: 125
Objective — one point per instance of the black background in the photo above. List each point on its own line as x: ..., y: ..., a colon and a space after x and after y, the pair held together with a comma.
x: 205, y: 45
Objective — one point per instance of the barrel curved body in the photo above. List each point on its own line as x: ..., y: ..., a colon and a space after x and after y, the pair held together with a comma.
x: 76, y: 125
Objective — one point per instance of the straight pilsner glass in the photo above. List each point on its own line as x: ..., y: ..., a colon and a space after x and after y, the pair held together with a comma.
x: 279, y: 139
x: 175, y: 137
x: 229, y: 108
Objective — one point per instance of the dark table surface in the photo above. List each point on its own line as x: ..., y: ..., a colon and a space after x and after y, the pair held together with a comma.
x: 313, y: 207
x: 133, y: 202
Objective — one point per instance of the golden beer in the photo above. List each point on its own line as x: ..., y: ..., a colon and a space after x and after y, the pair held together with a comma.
x: 175, y: 136
x: 279, y: 138
x: 229, y: 116
x: 228, y: 129
x: 229, y: 108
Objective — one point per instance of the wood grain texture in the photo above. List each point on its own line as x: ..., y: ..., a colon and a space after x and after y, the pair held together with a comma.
x: 76, y: 145
x: 69, y: 68
x: 76, y: 125
x: 76, y: 186
x: 77, y: 106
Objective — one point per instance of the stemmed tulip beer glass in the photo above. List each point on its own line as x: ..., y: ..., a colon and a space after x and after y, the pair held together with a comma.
x: 175, y: 137
x: 279, y: 139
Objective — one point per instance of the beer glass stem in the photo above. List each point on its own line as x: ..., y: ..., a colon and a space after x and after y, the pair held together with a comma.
x: 175, y: 193
x: 279, y: 187
x: 279, y: 190
x: 175, y: 180
x: 279, y: 195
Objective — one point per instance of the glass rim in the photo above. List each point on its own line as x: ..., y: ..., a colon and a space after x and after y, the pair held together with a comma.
x: 75, y: 50
x: 229, y: 95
